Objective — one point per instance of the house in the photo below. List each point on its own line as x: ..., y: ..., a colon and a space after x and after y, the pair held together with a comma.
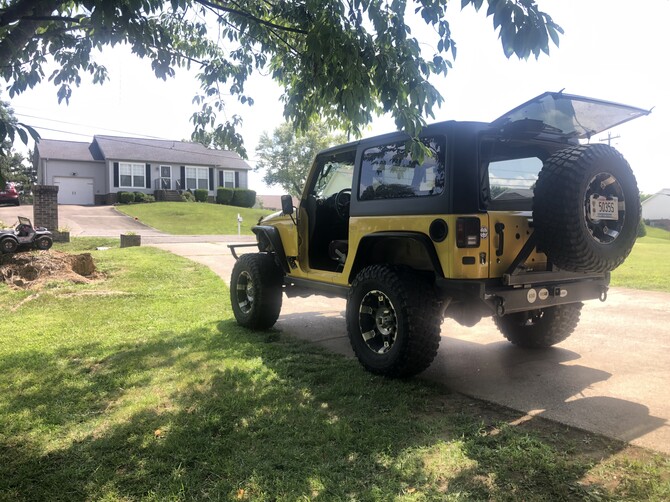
x: 94, y: 173
x: 656, y: 209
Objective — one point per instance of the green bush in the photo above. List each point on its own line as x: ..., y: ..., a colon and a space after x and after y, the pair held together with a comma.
x: 187, y: 196
x: 139, y: 196
x: 243, y: 197
x: 201, y: 195
x: 224, y: 195
x: 149, y: 198
x: 125, y: 197
x: 641, y: 229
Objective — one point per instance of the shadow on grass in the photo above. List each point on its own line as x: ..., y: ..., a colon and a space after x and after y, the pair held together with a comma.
x: 225, y: 413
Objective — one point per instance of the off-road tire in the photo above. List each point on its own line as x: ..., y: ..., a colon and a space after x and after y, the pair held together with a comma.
x: 412, y: 329
x: 44, y: 243
x: 565, y: 231
x: 256, y: 290
x: 538, y: 329
x: 8, y: 245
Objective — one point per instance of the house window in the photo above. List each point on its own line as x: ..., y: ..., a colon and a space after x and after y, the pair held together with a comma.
x: 227, y: 179
x: 197, y: 177
x: 131, y: 175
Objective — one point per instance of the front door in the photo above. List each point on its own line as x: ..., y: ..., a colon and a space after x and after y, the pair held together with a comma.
x: 326, y: 209
x: 166, y: 177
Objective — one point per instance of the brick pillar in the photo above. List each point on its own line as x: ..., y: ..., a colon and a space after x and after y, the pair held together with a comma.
x: 45, y: 207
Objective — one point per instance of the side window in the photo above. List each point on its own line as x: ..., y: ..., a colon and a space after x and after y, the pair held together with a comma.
x: 389, y: 172
x: 335, y: 174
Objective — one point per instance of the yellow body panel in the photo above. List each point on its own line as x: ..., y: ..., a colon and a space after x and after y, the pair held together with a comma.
x: 517, y: 231
x: 486, y: 263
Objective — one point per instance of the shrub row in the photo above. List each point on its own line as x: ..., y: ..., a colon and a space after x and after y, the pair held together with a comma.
x: 129, y: 197
x: 240, y: 197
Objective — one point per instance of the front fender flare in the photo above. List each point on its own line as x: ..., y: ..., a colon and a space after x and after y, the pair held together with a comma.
x: 269, y: 241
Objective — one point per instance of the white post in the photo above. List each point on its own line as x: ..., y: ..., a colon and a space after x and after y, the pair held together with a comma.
x: 239, y: 221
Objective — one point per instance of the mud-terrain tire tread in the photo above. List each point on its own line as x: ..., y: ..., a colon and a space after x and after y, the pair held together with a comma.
x: 267, y: 278
x: 418, y: 316
x: 558, y: 209
x: 556, y: 324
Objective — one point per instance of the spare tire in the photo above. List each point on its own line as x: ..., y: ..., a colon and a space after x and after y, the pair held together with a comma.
x: 586, y: 208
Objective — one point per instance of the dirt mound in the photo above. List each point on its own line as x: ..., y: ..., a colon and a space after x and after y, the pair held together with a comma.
x: 32, y: 270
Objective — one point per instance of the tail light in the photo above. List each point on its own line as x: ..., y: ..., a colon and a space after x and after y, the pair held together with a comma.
x: 467, y: 232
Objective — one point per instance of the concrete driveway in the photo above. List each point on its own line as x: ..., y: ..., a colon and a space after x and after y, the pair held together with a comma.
x: 610, y: 377
x: 105, y: 221
x: 100, y: 221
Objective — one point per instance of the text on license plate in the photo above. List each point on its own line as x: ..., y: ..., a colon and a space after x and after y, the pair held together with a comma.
x: 604, y: 209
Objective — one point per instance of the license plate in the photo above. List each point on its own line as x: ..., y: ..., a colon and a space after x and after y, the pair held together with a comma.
x: 604, y: 209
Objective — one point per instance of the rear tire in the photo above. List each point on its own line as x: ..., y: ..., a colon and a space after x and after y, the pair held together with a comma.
x: 393, y: 321
x: 8, y: 245
x: 256, y: 290
x: 542, y: 328
x: 573, y: 239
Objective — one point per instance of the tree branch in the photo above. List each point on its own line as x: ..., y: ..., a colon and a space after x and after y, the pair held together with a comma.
x: 263, y: 22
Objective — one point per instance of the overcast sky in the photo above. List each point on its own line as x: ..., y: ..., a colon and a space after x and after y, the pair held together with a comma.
x: 612, y: 49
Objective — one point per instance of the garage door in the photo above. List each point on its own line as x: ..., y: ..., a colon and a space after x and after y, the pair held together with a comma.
x: 74, y: 190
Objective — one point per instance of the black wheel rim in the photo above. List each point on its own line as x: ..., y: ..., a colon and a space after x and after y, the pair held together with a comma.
x: 604, y: 187
x: 530, y: 318
x: 8, y: 246
x: 378, y: 322
x: 245, y: 292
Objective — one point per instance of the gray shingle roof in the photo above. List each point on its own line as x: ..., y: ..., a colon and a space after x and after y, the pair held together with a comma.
x: 174, y: 152
x: 68, y: 150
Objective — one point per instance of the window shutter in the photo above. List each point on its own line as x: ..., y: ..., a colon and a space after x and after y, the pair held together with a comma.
x: 182, y: 175
x: 211, y: 178
x: 221, y: 178
x: 116, y: 175
x: 148, y: 178
x: 237, y: 179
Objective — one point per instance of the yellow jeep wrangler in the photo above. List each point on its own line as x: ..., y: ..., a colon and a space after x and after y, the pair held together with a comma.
x: 514, y: 219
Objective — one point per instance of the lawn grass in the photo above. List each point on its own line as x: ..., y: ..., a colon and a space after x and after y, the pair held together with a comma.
x: 194, y: 218
x: 142, y: 387
x: 648, y: 265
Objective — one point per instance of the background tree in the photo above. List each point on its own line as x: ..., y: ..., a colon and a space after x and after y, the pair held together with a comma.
x: 287, y: 157
x: 11, y: 162
x: 341, y: 62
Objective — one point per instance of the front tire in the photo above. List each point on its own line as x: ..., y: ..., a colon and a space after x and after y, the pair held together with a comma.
x: 44, y: 243
x: 393, y: 321
x: 256, y: 290
x: 542, y: 328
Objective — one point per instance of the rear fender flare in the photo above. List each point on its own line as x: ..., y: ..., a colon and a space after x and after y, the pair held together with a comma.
x: 418, y: 240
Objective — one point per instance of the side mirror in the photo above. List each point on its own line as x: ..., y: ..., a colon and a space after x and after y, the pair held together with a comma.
x: 287, y: 204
